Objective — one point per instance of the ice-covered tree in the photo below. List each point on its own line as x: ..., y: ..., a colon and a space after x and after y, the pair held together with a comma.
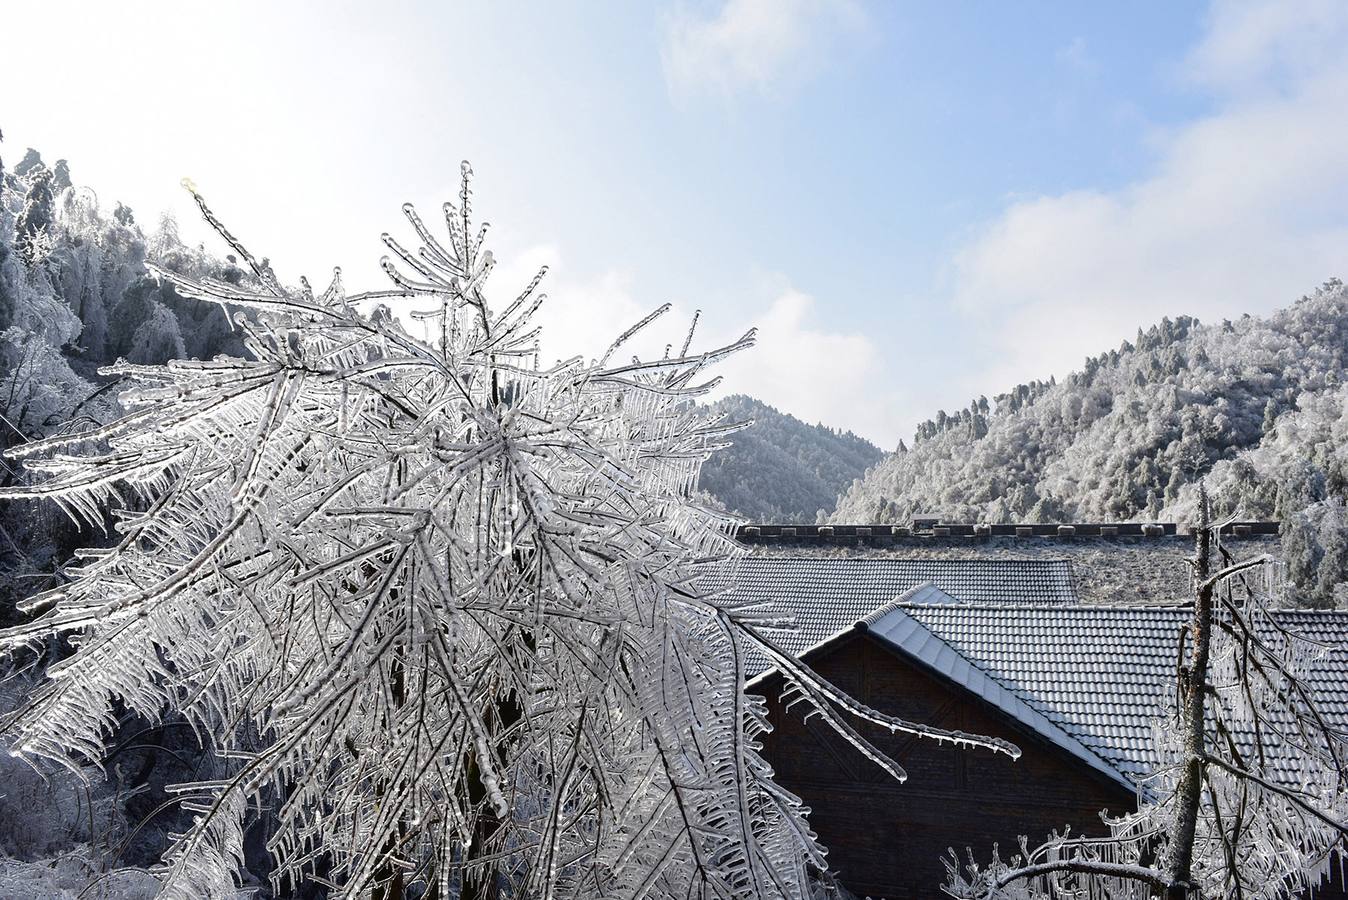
x: 36, y: 381
x: 33, y: 238
x: 61, y: 176
x: 435, y: 608
x: 1250, y: 798
x: 31, y: 160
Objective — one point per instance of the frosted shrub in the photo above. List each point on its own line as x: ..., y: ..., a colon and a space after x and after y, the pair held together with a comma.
x: 41, y: 815
x: 75, y: 875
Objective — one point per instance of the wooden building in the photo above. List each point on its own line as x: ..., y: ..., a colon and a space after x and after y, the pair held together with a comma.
x: 1077, y: 688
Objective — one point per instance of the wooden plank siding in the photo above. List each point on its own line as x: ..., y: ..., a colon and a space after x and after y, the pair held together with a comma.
x: 887, y: 839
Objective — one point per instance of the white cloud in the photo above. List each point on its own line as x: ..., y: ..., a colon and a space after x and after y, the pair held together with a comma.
x: 579, y: 317
x: 1077, y: 56
x: 1244, y: 211
x: 1252, y: 44
x: 798, y: 365
x: 753, y: 44
x: 813, y: 373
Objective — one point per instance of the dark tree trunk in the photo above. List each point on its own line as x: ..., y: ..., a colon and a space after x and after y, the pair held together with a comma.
x: 1193, y: 675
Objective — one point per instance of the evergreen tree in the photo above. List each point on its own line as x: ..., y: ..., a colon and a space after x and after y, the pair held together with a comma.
x: 61, y: 176
x: 31, y: 161
x: 32, y: 232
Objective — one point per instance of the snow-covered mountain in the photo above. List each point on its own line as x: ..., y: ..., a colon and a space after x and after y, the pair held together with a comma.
x: 781, y: 469
x: 1255, y: 406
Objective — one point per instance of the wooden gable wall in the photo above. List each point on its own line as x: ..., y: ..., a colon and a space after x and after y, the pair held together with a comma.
x: 887, y: 839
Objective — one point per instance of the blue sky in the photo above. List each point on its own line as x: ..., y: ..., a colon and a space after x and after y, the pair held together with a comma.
x: 916, y: 202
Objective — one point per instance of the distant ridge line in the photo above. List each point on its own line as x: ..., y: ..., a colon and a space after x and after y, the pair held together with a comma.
x: 927, y: 529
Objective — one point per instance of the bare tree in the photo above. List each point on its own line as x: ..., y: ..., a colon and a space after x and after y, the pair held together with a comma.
x: 434, y: 607
x: 1251, y: 798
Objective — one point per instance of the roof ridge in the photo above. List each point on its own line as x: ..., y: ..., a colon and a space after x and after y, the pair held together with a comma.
x: 902, y: 600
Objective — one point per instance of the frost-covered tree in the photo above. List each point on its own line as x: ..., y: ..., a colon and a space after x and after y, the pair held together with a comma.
x: 781, y: 469
x: 434, y: 608
x: 93, y: 261
x: 37, y: 383
x: 1250, y: 799
x: 61, y: 176
x: 32, y: 160
x: 33, y: 238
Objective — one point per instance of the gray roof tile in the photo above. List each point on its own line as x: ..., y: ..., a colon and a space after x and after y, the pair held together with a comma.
x: 825, y: 594
x: 900, y: 628
x: 1101, y: 673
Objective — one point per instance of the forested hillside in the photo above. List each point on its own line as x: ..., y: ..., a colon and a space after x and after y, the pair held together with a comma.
x: 1255, y: 406
x: 780, y: 469
x: 75, y: 295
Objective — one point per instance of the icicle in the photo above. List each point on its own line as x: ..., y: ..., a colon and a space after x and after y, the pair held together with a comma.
x: 692, y: 327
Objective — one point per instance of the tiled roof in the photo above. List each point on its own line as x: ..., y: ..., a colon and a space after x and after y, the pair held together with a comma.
x: 825, y: 594
x: 898, y: 626
x: 1097, y: 674
x: 1101, y: 673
